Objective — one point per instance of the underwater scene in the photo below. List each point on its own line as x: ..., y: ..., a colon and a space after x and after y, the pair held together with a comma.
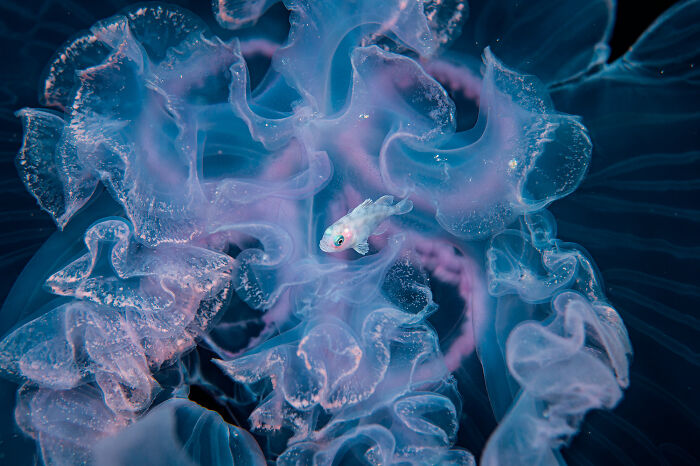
x: 350, y: 232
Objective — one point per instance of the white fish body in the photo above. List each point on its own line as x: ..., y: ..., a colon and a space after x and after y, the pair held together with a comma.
x: 352, y: 230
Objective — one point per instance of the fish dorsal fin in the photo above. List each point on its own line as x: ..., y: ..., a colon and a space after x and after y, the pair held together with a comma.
x: 385, y: 200
x: 365, y: 203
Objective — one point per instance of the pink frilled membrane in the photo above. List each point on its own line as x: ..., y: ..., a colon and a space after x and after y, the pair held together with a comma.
x: 193, y: 194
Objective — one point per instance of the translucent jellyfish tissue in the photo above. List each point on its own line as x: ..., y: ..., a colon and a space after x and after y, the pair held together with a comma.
x: 191, y: 176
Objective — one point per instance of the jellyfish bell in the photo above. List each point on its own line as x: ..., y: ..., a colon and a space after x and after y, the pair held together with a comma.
x: 472, y: 329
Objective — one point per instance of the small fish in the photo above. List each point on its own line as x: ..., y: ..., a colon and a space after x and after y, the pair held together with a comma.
x: 353, y: 230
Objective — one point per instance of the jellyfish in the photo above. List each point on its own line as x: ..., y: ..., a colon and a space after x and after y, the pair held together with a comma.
x: 182, y: 312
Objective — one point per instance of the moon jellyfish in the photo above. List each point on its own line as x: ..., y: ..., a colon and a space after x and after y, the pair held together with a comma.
x: 184, y: 313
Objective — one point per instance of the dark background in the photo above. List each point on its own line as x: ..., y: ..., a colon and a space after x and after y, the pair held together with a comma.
x: 652, y: 425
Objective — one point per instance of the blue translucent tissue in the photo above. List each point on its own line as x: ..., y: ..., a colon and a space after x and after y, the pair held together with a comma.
x: 191, y: 174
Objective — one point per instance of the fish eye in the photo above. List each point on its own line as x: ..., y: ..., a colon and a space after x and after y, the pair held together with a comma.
x: 338, y: 240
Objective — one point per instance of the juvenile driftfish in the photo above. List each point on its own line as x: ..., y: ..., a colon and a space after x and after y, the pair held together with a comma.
x: 353, y: 230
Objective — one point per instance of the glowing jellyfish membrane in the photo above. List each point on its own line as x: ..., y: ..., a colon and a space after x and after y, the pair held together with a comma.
x: 190, y: 199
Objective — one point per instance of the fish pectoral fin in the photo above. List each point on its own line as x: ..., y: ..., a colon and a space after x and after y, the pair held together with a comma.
x: 364, y: 204
x: 361, y: 248
x: 385, y: 200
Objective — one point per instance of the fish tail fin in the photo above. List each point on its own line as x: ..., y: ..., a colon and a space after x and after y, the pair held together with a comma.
x: 403, y: 207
